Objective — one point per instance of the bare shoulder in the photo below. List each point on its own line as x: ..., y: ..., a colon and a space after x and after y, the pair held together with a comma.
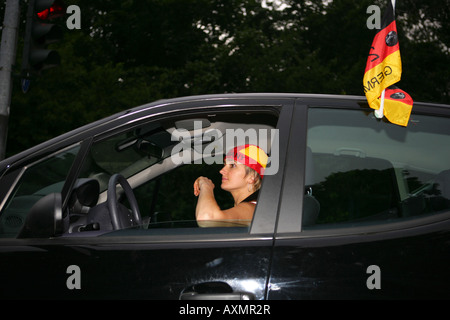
x: 243, y: 211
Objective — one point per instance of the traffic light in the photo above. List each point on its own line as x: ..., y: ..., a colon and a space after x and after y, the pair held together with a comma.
x: 39, y: 33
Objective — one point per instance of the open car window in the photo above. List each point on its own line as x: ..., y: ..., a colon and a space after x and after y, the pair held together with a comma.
x: 161, y: 160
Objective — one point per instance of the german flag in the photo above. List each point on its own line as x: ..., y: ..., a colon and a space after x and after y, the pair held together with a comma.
x: 397, y: 105
x: 384, y: 65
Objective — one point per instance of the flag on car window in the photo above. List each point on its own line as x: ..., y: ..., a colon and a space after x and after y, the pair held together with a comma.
x: 397, y: 105
x: 384, y: 68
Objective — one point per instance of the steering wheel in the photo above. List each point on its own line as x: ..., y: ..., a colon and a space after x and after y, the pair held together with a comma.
x: 117, y: 215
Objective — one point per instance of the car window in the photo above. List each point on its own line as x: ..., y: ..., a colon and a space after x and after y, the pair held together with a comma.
x: 161, y: 160
x: 156, y: 197
x: 361, y: 170
x: 38, y: 180
x: 126, y: 153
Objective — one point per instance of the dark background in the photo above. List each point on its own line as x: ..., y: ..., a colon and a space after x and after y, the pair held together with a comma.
x: 129, y: 53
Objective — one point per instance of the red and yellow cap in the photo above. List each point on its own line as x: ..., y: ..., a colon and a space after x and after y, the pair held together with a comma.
x: 250, y: 155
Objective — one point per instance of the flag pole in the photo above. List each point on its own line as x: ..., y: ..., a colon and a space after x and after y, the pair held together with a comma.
x: 380, y: 112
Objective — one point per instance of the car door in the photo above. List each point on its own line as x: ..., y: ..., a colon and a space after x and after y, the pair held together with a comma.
x: 159, y: 263
x: 365, y: 206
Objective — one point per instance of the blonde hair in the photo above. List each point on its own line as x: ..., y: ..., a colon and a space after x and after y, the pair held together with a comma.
x: 256, y: 176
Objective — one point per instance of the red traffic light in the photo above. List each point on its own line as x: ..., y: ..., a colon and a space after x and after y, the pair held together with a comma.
x: 54, y: 11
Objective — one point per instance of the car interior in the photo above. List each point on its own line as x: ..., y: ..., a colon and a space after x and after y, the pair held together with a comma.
x: 153, y: 157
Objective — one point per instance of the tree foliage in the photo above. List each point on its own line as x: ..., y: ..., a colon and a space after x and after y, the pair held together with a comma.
x: 132, y: 52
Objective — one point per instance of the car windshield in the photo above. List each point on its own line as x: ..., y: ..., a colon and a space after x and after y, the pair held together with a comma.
x: 127, y: 153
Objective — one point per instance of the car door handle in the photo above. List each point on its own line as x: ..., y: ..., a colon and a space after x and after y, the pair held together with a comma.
x: 215, y: 290
x: 217, y: 296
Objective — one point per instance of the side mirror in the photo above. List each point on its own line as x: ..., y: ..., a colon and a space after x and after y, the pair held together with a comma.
x: 45, y: 218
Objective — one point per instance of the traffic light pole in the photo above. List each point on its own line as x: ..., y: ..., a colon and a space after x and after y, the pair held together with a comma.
x: 7, y: 59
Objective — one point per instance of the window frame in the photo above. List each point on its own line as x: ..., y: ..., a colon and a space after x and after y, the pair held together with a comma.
x: 265, y: 217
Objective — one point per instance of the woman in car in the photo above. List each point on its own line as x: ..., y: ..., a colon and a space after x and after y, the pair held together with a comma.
x: 242, y: 175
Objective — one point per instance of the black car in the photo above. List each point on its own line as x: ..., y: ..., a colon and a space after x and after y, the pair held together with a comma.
x: 351, y: 206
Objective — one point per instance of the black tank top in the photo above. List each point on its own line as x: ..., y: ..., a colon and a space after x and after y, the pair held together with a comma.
x: 252, y: 198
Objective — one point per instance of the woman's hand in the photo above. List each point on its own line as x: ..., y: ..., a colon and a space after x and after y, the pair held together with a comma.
x: 202, y: 183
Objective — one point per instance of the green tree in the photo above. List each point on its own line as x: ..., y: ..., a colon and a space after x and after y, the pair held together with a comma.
x: 136, y: 51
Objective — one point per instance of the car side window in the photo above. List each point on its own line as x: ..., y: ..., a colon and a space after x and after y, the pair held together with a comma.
x: 38, y: 180
x: 169, y: 198
x: 361, y: 170
x: 161, y: 160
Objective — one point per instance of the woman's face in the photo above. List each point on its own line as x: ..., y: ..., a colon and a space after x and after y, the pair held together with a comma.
x: 233, y: 176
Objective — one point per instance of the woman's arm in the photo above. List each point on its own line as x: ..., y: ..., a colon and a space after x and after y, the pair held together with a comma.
x: 208, y: 209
